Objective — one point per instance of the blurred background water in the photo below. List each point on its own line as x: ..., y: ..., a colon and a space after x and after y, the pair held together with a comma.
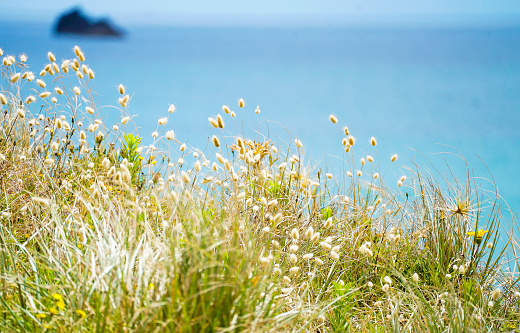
x: 426, y: 89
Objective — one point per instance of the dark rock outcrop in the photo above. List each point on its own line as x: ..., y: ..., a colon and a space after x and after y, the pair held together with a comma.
x: 75, y: 22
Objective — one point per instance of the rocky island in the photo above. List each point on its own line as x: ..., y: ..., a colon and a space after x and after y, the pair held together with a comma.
x: 76, y: 22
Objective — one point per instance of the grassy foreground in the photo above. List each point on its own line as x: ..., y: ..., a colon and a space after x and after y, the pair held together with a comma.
x: 99, y: 233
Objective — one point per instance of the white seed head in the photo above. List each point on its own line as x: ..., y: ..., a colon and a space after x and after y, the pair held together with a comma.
x: 393, y: 158
x: 415, y: 277
x: 333, y: 119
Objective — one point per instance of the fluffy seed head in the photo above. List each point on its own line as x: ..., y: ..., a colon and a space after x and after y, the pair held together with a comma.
x: 213, y: 122
x: 171, y: 108
x: 241, y: 103
x: 3, y: 100
x: 387, y: 279
x: 220, y: 121
x: 373, y: 141
x: 257, y: 110
x: 20, y: 113
x: 216, y: 142
x: 77, y: 91
x: 89, y: 110
x: 333, y: 119
x: 295, y: 234
x: 125, y: 120
x: 298, y: 143
x: 415, y: 277
x: 15, y: 77
x: 496, y: 294
x: 334, y: 255
x: 51, y: 57
x: 351, y: 140
x: 185, y: 177
x: 162, y: 121
x: 393, y: 158
x: 170, y: 135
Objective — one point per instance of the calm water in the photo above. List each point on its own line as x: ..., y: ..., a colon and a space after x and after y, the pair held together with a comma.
x: 411, y: 89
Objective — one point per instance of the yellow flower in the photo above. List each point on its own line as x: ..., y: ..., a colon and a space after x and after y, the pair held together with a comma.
x: 151, y: 286
x: 81, y: 313
x: 478, y: 236
x: 41, y: 315
x: 57, y: 297
x: 61, y: 305
x: 53, y: 311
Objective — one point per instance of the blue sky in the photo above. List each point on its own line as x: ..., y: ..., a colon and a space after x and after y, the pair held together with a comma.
x: 272, y: 11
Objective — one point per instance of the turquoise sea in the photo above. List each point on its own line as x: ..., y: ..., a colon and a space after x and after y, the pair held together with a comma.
x: 419, y: 91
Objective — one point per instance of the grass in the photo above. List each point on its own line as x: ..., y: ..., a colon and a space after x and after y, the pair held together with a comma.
x: 100, y: 233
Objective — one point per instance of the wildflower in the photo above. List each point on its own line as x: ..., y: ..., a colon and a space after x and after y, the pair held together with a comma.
x: 308, y: 256
x: 77, y: 90
x: 162, y: 121
x: 41, y: 315
x: 386, y: 288
x: 491, y: 304
x: 241, y: 103
x: 257, y: 110
x: 478, y: 236
x: 293, y: 248
x: 387, y: 279
x: 462, y: 269
x: 266, y: 229
x: 125, y: 120
x: 393, y: 158
x: 370, y: 284
x: 53, y: 311
x: 333, y: 119
x: 298, y: 143
x: 81, y: 313
x: 373, y: 141
x: 155, y: 134
x: 334, y: 255
x: 415, y: 277
x: 277, y: 218
x: 171, y: 108
x: 49, y: 161
x: 448, y: 276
